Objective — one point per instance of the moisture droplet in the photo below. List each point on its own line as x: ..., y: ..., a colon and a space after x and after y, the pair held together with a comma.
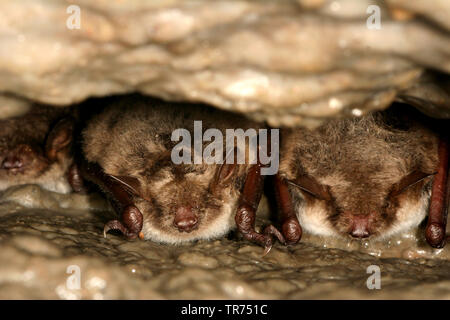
x: 335, y: 6
x: 21, y: 38
x: 342, y: 43
x: 335, y: 103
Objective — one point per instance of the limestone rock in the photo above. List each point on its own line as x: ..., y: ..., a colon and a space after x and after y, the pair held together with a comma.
x: 288, y: 62
x: 44, y: 249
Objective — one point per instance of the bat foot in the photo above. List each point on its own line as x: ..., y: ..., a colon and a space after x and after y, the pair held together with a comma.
x: 292, y: 231
x: 269, y: 233
x: 245, y: 219
x: 266, y: 239
x: 118, y: 226
x: 131, y: 227
x: 435, y: 235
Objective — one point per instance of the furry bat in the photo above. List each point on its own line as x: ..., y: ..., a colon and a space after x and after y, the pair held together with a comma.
x: 127, y: 151
x: 372, y: 176
x: 35, y: 148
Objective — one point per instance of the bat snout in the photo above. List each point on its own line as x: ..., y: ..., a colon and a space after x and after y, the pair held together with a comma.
x: 12, y: 162
x: 18, y: 159
x: 360, y: 226
x: 185, y: 219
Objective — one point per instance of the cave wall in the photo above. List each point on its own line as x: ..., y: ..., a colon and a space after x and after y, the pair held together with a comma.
x: 287, y: 62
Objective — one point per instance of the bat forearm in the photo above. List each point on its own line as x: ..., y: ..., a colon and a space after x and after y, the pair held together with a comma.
x: 437, y: 217
x: 131, y: 218
x: 246, y: 213
x: 290, y: 226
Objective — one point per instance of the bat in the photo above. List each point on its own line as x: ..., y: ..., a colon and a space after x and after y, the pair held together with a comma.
x: 374, y: 176
x: 35, y: 148
x: 128, y: 151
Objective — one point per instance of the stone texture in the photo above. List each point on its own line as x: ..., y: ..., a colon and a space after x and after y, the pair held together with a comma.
x: 289, y: 62
x: 41, y: 245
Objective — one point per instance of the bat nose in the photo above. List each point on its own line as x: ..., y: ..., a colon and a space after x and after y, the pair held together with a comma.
x: 360, y: 226
x: 185, y: 220
x: 17, y: 159
x: 12, y: 162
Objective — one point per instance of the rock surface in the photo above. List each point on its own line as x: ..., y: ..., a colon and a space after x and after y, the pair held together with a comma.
x: 43, y: 240
x: 288, y: 62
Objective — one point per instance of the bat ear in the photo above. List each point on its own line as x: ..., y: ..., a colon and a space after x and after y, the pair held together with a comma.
x: 312, y: 186
x: 225, y: 173
x: 224, y: 176
x: 408, y: 181
x: 131, y: 183
x: 59, y: 139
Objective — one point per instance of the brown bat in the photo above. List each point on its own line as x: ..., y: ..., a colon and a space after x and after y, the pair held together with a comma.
x: 35, y: 148
x: 373, y: 176
x: 128, y: 151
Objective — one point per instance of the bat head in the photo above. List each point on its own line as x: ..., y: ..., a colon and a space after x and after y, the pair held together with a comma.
x: 186, y: 202
x: 179, y: 202
x: 34, y: 149
x: 362, y: 177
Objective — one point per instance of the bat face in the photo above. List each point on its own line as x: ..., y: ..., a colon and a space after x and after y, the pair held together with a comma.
x: 365, y: 177
x: 30, y: 155
x: 23, y: 161
x: 178, y: 202
x: 183, y: 203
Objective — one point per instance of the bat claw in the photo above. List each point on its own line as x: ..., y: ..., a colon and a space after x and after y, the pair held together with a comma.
x: 117, y: 225
x: 245, y: 218
x: 266, y: 238
x: 267, y: 250
x: 271, y: 231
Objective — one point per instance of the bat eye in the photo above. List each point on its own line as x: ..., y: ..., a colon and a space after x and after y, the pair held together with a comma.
x: 388, y: 205
x: 310, y: 185
x: 408, y: 181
